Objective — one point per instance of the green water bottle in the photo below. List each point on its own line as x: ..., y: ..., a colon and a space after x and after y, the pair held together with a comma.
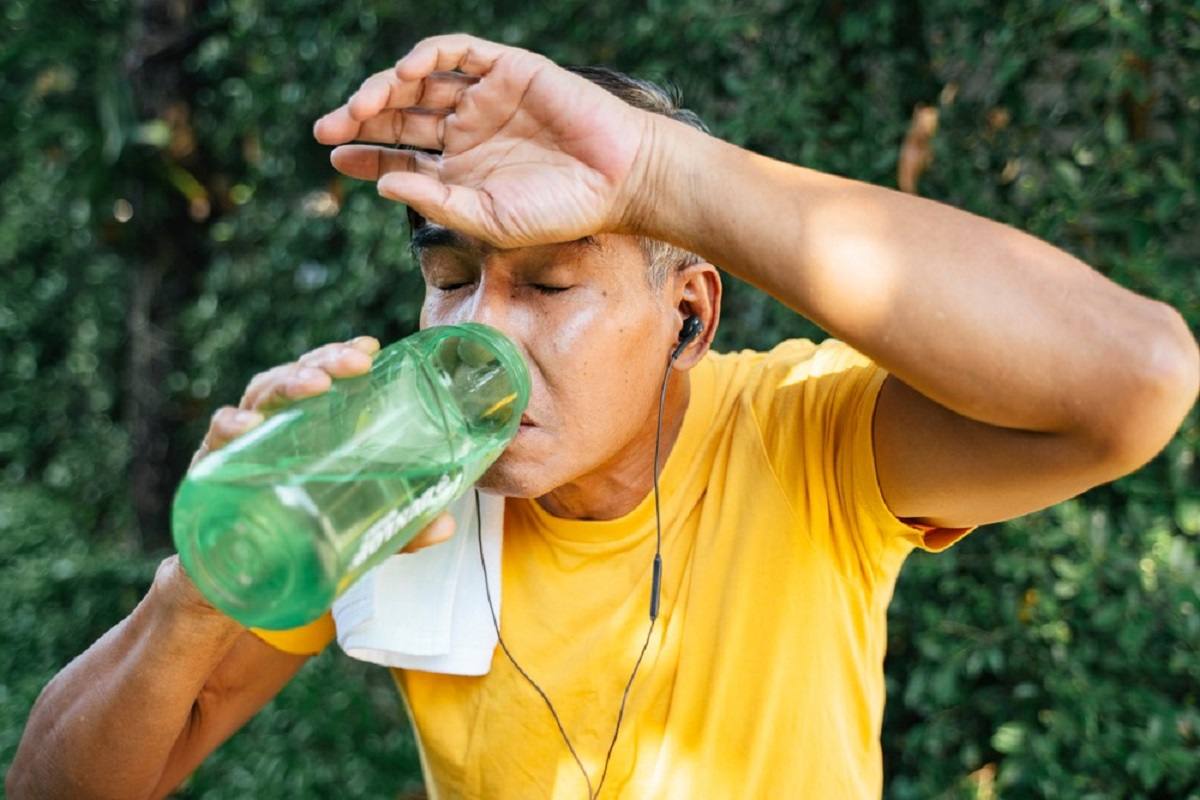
x: 274, y: 526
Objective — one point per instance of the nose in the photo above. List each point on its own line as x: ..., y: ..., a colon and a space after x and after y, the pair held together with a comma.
x: 491, y: 301
x: 490, y: 304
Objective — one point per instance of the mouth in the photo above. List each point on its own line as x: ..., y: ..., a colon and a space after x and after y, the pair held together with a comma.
x: 526, y: 422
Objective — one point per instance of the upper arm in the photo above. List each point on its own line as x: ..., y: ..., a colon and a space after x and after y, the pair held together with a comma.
x: 247, y: 678
x: 937, y: 466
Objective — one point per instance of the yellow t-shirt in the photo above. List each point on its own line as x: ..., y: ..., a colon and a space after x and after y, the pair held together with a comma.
x: 764, y: 676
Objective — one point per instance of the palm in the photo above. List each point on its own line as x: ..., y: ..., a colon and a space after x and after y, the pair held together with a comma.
x: 530, y: 153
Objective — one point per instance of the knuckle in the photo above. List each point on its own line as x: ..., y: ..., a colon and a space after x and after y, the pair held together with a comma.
x: 314, y: 358
x: 305, y: 372
x: 222, y: 416
x: 269, y: 383
x: 321, y: 354
x: 166, y: 566
x: 256, y: 383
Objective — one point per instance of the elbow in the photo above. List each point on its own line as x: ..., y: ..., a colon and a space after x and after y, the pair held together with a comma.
x: 18, y: 786
x: 13, y: 785
x: 21, y: 782
x: 1166, y: 380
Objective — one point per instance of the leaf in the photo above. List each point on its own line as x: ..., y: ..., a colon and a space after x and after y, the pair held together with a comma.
x: 1080, y: 16
x: 1009, y: 737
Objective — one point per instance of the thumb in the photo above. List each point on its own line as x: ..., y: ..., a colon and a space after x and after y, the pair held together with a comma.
x: 435, y: 532
x: 460, y: 208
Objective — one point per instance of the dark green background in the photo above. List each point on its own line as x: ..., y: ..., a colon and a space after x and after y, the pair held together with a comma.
x: 1054, y: 656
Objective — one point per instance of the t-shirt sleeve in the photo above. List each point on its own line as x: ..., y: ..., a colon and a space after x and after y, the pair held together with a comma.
x: 815, y: 406
x: 306, y: 640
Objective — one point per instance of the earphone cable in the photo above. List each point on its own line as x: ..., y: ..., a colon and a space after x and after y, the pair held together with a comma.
x: 654, y: 596
x: 496, y: 623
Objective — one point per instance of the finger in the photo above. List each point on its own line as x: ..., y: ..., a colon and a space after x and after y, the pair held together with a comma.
x: 443, y: 91
x: 458, y: 207
x: 370, y: 113
x: 259, y: 384
x: 227, y: 424
x: 339, y: 360
x: 417, y: 127
x: 460, y: 51
x: 268, y: 383
x: 386, y: 90
x: 370, y: 163
x: 382, y: 90
x: 336, y: 127
x: 435, y: 532
x: 367, y: 344
x: 292, y: 384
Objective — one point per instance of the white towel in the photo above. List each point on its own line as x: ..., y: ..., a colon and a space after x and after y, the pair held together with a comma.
x: 427, y: 610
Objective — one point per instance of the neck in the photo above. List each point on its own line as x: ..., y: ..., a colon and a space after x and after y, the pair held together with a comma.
x: 621, y: 483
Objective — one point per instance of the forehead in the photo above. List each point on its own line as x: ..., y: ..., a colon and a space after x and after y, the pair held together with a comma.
x: 609, y: 249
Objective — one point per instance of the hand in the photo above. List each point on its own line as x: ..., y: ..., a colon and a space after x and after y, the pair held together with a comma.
x: 311, y: 374
x: 529, y: 152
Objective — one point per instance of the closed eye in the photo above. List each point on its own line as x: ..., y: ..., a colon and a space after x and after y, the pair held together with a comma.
x: 540, y: 287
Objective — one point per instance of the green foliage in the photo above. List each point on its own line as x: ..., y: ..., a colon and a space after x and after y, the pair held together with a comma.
x: 1061, y: 647
x: 1053, y: 656
x: 337, y: 730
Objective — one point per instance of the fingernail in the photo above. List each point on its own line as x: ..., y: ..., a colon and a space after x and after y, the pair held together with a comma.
x: 365, y: 344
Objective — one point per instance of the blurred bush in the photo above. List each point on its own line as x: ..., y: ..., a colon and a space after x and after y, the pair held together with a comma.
x: 168, y: 228
x: 337, y: 730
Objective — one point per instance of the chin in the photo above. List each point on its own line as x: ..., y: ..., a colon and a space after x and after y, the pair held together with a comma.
x: 509, y: 478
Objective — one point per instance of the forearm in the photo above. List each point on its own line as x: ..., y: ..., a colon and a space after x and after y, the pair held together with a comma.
x: 984, y: 319
x: 106, y: 724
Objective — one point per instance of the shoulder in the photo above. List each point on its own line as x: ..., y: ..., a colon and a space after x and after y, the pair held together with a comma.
x: 787, y: 364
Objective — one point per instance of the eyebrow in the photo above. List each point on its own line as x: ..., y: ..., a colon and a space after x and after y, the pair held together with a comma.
x: 429, y: 236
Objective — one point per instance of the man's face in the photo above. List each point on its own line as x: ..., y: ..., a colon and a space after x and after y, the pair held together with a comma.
x: 593, y: 332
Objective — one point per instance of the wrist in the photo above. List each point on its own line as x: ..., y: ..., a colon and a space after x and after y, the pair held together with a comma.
x: 669, y: 186
x: 178, y: 598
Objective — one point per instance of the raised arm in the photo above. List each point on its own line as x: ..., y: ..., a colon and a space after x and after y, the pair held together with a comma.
x: 1019, y: 376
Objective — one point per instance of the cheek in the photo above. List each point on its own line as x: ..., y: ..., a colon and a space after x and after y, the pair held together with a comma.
x: 576, y: 336
x: 597, y: 376
x: 436, y: 309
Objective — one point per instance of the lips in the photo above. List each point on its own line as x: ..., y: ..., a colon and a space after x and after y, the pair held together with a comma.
x: 525, y: 420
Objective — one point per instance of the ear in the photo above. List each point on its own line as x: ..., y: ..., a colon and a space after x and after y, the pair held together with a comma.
x: 696, y: 291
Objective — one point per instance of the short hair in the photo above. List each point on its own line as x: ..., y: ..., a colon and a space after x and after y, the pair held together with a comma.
x: 661, y: 257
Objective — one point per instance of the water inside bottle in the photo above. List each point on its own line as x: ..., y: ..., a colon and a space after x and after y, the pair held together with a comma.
x: 270, y: 544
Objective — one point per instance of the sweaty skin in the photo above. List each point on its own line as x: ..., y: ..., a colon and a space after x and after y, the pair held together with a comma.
x: 1017, y: 375
x: 596, y: 337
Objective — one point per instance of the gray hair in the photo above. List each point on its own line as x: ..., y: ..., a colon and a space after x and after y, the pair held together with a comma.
x: 662, y: 258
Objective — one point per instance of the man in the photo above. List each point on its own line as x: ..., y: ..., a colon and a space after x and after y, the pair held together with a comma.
x: 977, y: 374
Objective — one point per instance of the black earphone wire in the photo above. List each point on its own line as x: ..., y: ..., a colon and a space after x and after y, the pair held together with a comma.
x: 655, y: 584
x: 496, y: 623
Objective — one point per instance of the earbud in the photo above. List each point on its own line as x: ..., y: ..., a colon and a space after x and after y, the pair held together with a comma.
x: 692, y: 327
